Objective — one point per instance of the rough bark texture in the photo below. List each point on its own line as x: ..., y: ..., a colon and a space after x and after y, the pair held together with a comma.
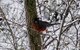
x: 34, y: 37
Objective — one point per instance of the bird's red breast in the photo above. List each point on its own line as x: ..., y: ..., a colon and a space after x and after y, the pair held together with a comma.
x: 36, y: 27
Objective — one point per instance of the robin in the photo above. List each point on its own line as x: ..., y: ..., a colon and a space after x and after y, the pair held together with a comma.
x: 41, y: 25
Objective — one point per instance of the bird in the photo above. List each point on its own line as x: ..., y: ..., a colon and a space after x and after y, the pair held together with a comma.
x: 40, y: 25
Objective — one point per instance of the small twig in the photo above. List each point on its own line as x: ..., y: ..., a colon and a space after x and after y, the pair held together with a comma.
x: 46, y: 41
x: 58, y: 43
x: 49, y: 43
x: 17, y: 23
x: 12, y: 34
x: 68, y: 24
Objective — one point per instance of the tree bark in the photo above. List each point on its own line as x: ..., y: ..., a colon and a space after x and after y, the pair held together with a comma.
x: 34, y: 37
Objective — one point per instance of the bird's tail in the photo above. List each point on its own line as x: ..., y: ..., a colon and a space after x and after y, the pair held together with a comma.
x: 53, y: 24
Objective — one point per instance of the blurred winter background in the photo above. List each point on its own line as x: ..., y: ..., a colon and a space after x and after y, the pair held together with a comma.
x: 13, y: 24
x: 13, y: 37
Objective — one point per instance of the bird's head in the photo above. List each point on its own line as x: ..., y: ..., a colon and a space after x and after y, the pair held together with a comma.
x: 35, y: 20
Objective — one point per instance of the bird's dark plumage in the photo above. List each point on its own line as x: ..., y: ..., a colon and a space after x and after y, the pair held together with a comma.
x: 38, y: 24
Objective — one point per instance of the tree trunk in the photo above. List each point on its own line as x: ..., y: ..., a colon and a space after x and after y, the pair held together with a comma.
x: 34, y: 37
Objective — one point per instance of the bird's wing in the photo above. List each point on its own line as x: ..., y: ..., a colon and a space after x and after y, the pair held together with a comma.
x: 44, y: 24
